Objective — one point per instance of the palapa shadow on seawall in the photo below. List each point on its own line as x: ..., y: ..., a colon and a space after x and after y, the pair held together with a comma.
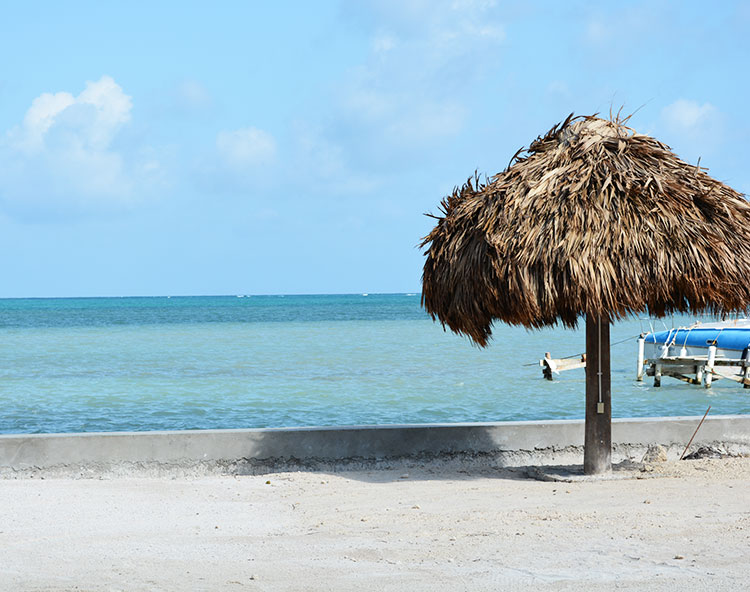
x: 461, y: 450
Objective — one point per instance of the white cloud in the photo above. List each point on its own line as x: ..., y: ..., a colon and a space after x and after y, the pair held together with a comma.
x: 39, y: 118
x: 687, y: 116
x: 60, y: 158
x: 246, y: 148
x: 92, y: 118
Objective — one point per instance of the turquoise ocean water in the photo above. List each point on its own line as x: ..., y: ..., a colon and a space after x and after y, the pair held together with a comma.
x: 111, y: 364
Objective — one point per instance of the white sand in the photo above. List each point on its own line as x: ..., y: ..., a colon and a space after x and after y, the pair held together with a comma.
x: 442, y: 527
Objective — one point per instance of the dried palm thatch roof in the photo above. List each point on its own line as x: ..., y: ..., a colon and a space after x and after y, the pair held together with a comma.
x: 593, y: 219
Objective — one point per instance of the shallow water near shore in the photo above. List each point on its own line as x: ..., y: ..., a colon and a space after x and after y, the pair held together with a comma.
x: 112, y: 364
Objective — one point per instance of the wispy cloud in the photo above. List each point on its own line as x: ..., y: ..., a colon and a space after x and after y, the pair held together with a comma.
x: 688, y: 116
x: 410, y: 94
x: 322, y: 164
x: 241, y: 160
x: 693, y: 129
x: 191, y: 95
x: 246, y: 148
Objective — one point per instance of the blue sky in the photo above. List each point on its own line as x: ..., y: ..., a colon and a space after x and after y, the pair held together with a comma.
x: 153, y: 148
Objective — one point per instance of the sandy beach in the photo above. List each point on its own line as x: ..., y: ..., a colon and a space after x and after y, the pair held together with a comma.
x: 438, y: 526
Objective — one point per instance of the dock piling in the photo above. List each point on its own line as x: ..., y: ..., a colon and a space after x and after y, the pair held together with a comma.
x: 641, y: 357
x: 657, y: 374
x: 708, y: 375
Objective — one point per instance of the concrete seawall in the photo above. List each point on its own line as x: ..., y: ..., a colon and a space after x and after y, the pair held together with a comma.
x: 508, y: 444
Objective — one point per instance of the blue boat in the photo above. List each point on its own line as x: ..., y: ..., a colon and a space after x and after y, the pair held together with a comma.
x: 729, y: 337
x: 707, y: 350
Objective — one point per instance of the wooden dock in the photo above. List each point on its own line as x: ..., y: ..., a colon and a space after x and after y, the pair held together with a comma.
x: 694, y: 369
x: 690, y: 369
x: 699, y: 369
x: 552, y: 365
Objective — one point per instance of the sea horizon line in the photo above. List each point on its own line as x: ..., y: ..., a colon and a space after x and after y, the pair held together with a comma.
x: 235, y: 295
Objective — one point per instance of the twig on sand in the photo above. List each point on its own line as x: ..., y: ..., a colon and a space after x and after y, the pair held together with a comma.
x: 695, y: 432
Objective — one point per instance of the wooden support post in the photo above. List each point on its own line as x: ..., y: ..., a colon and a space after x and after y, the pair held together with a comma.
x: 657, y: 374
x: 746, y: 369
x: 597, y: 452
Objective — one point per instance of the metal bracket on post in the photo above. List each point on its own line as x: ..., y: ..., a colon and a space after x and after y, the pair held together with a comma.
x: 600, y: 404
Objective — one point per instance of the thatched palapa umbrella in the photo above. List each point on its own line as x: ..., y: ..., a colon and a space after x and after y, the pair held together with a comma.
x: 593, y: 219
